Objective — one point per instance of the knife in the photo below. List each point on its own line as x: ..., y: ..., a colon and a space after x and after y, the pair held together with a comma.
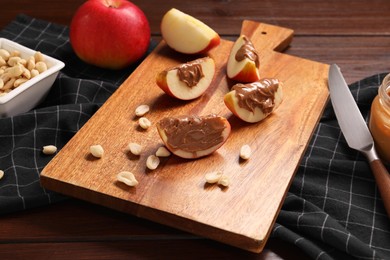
x: 355, y: 130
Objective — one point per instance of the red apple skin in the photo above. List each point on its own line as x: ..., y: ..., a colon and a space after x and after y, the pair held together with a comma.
x: 110, y: 34
x: 213, y: 43
x: 229, y: 102
x: 161, y: 81
x: 247, y: 74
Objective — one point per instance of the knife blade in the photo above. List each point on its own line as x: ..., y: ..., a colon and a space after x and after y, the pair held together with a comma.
x: 355, y: 130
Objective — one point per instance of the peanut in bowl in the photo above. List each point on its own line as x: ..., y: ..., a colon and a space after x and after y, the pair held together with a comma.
x: 26, y: 77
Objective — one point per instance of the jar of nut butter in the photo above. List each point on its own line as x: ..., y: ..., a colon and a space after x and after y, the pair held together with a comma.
x: 380, y: 120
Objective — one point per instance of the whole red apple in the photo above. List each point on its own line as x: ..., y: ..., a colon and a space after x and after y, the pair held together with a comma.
x: 109, y: 33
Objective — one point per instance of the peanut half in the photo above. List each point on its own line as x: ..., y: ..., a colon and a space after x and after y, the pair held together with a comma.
x: 127, y: 178
x: 152, y: 162
x: 245, y: 152
x: 163, y: 152
x: 49, y: 149
x: 224, y: 181
x: 213, y: 177
x: 144, y: 123
x: 217, y: 177
x: 135, y: 148
x: 142, y: 110
x: 97, y: 151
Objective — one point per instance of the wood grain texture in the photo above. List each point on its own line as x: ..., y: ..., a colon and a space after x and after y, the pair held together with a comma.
x: 354, y: 34
x: 176, y: 194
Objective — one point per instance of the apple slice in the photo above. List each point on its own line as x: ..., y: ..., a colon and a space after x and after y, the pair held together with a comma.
x: 243, y: 63
x: 187, y: 34
x: 253, y: 102
x: 193, y: 136
x: 188, y: 80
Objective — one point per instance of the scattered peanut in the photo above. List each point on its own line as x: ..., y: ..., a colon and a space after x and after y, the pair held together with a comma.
x: 144, y: 123
x: 1, y: 174
x: 97, y: 151
x: 49, y: 149
x: 152, y: 162
x: 15, y: 70
x: 245, y: 152
x: 213, y: 177
x: 127, y: 178
x: 224, y: 181
x: 163, y: 152
x: 135, y: 148
x: 142, y: 110
x: 218, y: 178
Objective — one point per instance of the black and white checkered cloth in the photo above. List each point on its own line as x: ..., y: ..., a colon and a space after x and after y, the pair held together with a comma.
x: 333, y: 208
x: 332, y: 211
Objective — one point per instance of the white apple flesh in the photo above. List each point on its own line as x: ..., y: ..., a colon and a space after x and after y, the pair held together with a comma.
x: 244, y: 70
x: 170, y: 82
x: 187, y: 34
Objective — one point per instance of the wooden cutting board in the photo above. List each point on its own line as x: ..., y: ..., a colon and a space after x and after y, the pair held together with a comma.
x: 175, y: 193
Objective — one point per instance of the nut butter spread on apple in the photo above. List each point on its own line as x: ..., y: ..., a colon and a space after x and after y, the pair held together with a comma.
x: 193, y: 133
x: 191, y: 72
x: 259, y: 94
x: 248, y: 51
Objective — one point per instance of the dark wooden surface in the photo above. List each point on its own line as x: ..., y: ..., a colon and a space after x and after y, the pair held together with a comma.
x: 354, y: 34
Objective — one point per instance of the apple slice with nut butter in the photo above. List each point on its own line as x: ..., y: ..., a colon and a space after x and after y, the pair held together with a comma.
x: 188, y: 80
x: 243, y: 63
x: 192, y: 137
x: 252, y: 102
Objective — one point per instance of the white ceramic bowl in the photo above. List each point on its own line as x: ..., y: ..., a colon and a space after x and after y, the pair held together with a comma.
x: 31, y: 93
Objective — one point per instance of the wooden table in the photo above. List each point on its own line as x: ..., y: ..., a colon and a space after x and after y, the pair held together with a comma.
x: 354, y: 34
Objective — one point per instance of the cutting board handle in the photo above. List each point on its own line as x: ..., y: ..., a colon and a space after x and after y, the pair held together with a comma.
x: 266, y: 36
